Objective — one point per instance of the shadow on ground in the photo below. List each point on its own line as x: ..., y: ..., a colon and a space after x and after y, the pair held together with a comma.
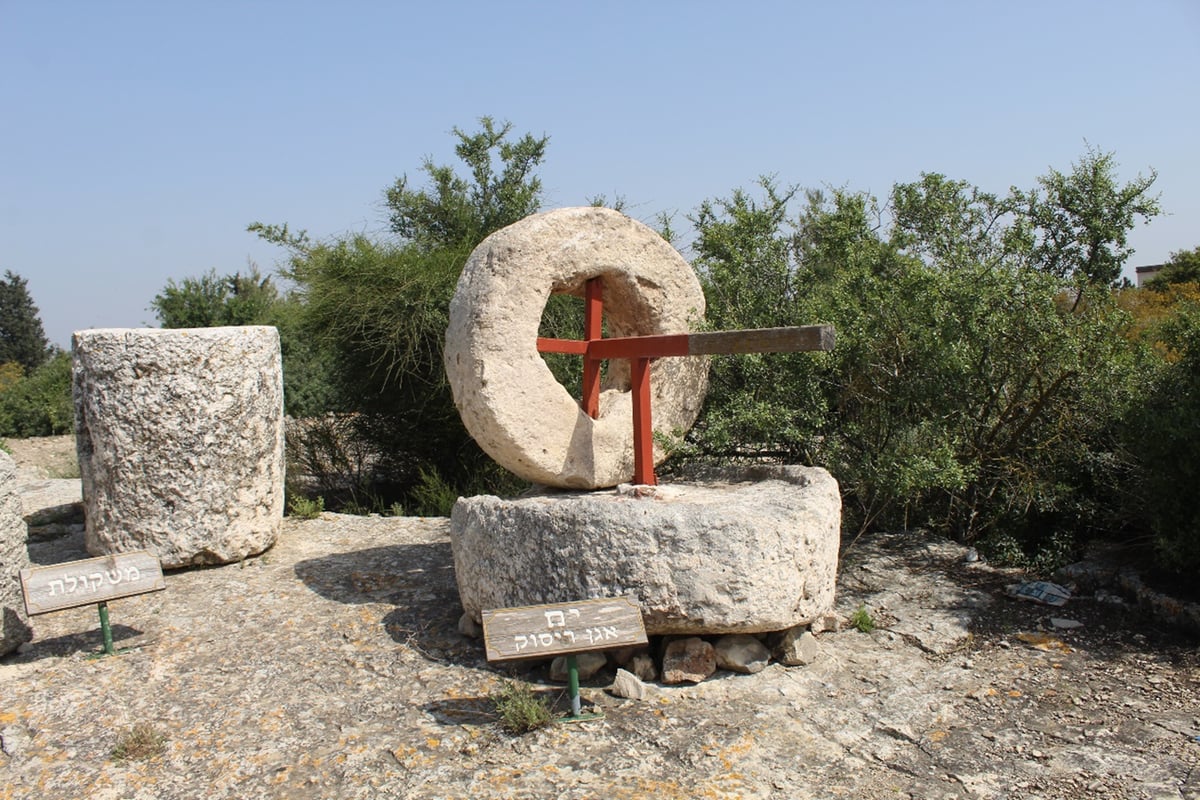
x: 89, y: 642
x: 417, y: 579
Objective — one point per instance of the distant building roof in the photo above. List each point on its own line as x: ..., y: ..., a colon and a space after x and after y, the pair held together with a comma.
x: 1144, y: 274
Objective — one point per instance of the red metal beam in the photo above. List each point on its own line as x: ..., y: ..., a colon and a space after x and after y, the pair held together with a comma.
x: 643, y: 431
x: 572, y: 347
x: 593, y: 319
x: 672, y: 344
x: 641, y: 349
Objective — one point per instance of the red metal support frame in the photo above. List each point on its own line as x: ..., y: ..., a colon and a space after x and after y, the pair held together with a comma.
x: 593, y: 327
x: 595, y: 354
x: 641, y: 350
x: 643, y: 432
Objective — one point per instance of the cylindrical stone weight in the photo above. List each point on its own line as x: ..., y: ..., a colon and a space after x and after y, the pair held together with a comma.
x: 180, y: 440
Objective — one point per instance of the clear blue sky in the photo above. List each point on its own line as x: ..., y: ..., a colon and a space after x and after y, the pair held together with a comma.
x: 138, y: 139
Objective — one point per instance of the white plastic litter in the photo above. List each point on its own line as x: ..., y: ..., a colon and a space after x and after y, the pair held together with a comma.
x: 1044, y: 592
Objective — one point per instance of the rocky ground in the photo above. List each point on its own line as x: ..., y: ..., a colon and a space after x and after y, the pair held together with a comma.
x: 331, y: 666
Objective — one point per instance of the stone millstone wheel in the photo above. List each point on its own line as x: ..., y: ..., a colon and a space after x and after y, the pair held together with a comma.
x: 509, y: 400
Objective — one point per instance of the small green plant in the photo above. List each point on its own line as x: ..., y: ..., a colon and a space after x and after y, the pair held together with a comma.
x: 139, y: 743
x: 433, y: 494
x: 306, y: 508
x: 862, y: 620
x: 519, y: 709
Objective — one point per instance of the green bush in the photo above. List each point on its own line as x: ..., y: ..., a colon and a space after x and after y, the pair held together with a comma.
x: 434, y: 497
x: 1166, y: 438
x: 974, y: 390
x: 305, y: 508
x: 520, y: 710
x: 862, y: 620
x: 39, y: 404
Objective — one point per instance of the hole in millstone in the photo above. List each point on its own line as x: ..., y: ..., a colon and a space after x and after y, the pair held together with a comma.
x: 627, y: 312
x: 562, y: 318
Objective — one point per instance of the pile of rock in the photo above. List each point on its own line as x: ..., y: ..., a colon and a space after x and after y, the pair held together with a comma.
x: 677, y: 659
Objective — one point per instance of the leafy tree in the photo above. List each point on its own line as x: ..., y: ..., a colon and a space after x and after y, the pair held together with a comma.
x: 22, y: 339
x: 1077, y: 225
x: 455, y: 212
x: 1182, y: 267
x: 211, y: 300
x: 39, y: 404
x: 381, y: 308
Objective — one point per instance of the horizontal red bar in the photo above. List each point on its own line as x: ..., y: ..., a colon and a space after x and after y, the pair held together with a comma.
x: 575, y: 347
x: 670, y: 344
x: 675, y: 344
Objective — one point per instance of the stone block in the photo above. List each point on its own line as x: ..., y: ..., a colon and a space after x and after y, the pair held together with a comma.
x: 180, y: 441
x: 740, y: 652
x: 797, y: 647
x: 747, y: 552
x: 14, y: 556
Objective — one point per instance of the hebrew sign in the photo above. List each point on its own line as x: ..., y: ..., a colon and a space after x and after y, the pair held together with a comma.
x: 560, y: 628
x: 81, y: 583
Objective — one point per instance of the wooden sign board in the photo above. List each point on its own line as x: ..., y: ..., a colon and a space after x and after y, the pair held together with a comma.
x: 560, y: 628
x: 81, y: 583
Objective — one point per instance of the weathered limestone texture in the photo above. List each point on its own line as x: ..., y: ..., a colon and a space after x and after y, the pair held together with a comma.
x: 14, y: 556
x: 508, y: 398
x: 749, y: 555
x: 180, y: 441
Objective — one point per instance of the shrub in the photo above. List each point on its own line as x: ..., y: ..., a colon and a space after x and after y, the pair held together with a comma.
x: 434, y: 497
x: 519, y: 709
x: 304, y: 508
x: 1165, y: 435
x: 862, y: 620
x: 140, y: 742
x: 973, y: 390
x: 39, y: 404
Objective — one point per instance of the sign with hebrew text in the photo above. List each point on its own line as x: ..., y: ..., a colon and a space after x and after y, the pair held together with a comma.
x: 560, y: 628
x: 81, y: 583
